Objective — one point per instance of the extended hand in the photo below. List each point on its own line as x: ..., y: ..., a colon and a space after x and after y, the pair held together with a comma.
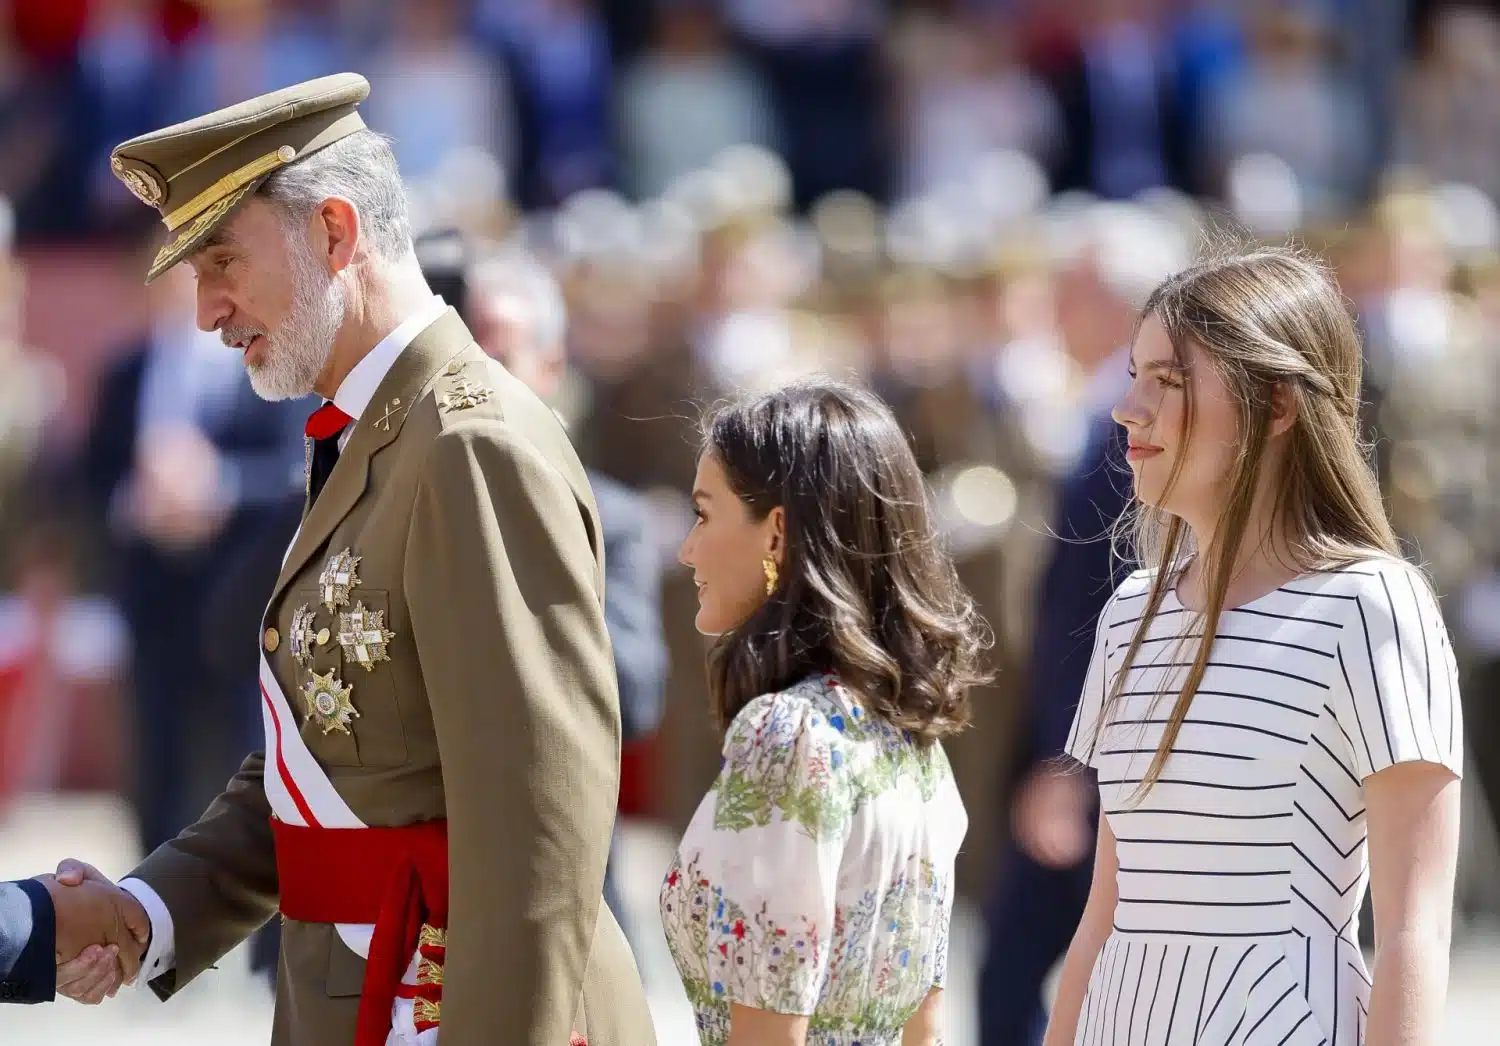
x: 101, y: 932
x: 1050, y: 818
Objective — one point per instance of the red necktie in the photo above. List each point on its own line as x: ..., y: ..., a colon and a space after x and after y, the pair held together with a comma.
x: 326, y: 421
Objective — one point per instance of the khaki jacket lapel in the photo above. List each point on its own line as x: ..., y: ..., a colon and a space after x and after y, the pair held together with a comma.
x: 416, y: 367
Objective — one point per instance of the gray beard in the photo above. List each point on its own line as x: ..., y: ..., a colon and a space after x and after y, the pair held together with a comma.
x: 298, y: 350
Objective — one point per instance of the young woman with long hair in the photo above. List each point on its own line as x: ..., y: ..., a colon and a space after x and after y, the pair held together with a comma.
x: 811, y: 895
x: 1272, y: 707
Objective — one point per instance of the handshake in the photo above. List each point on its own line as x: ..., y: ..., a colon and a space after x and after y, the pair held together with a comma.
x: 102, y: 932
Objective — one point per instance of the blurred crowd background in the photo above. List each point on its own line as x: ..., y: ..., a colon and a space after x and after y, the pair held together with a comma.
x: 647, y: 204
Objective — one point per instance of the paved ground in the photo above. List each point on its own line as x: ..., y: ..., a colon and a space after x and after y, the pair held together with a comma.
x: 230, y: 1009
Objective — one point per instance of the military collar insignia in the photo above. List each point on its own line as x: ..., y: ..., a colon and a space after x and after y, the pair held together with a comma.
x: 462, y: 395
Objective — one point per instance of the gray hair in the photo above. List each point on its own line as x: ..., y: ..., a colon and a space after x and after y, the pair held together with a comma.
x: 360, y: 168
x: 515, y: 275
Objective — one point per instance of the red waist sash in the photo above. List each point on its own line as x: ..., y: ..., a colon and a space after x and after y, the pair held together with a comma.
x: 394, y: 878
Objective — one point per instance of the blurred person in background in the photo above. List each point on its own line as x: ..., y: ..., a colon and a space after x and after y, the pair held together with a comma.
x: 33, y: 388
x: 1120, y: 102
x: 243, y: 48
x: 436, y: 90
x: 1432, y: 404
x: 561, y: 75
x: 1448, y: 122
x: 823, y: 64
x: 1114, y: 257
x: 687, y: 99
x: 1291, y: 100
x: 189, y: 469
x: 33, y: 136
x: 61, y: 652
x: 814, y: 887
x: 966, y: 94
x: 122, y: 84
x: 517, y: 314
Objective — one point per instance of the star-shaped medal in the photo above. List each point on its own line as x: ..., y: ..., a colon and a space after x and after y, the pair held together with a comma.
x: 338, y: 578
x: 328, y: 702
x: 363, y: 635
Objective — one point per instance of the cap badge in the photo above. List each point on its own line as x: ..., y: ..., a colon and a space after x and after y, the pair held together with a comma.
x: 141, y: 182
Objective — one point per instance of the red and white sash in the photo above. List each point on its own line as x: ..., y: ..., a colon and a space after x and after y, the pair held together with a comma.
x: 301, y: 794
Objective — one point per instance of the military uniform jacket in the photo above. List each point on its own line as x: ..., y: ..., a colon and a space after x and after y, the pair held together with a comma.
x: 484, y: 692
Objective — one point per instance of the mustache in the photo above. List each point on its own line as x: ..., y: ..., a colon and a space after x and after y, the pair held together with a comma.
x: 239, y: 337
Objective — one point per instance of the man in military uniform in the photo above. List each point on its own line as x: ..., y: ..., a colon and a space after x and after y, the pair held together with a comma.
x: 433, y: 807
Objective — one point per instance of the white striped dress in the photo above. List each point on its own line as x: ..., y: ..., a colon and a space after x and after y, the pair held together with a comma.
x: 1242, y: 871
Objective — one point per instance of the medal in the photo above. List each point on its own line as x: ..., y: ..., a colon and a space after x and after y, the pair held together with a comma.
x: 303, y: 635
x: 328, y: 702
x: 363, y: 635
x: 338, y: 578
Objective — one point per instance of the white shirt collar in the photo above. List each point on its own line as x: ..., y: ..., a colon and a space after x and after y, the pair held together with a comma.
x: 359, y: 385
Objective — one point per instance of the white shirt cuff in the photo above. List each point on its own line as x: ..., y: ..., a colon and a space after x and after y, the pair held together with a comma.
x: 162, y: 955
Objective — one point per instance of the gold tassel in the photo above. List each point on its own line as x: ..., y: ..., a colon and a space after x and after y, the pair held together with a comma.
x: 432, y: 937
x: 429, y: 972
x: 424, y: 1011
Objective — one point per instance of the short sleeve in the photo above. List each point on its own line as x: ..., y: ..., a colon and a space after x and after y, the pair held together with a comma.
x: 1400, y: 700
x: 782, y: 814
x: 1083, y: 736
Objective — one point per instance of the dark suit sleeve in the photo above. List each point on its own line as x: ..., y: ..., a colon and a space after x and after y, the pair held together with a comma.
x: 33, y: 976
x: 268, y: 477
x: 1079, y: 580
x: 632, y: 607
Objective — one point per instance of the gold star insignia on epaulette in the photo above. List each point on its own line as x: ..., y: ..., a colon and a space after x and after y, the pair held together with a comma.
x: 464, y: 394
x: 338, y: 578
x: 328, y: 702
x: 363, y: 635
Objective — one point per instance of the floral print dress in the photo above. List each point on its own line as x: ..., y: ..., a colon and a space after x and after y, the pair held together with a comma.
x: 816, y: 877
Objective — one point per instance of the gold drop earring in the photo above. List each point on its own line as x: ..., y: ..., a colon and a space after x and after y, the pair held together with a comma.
x: 772, y: 574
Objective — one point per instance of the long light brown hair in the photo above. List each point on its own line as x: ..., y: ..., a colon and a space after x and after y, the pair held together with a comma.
x: 1267, y: 318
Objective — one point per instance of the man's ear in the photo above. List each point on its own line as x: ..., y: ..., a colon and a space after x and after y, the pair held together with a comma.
x: 337, y: 220
x: 1283, y: 408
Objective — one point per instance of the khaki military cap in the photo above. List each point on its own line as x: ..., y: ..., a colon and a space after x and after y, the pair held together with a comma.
x: 195, y: 172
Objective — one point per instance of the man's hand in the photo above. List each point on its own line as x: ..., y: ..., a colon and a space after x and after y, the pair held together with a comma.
x: 1050, y: 818
x: 177, y: 500
x: 102, y: 932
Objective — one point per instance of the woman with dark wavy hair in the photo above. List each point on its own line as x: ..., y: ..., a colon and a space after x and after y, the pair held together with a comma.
x: 810, y: 898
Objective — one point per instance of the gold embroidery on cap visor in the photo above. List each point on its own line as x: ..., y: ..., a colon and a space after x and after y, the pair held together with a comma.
x: 186, y: 240
x: 235, y: 179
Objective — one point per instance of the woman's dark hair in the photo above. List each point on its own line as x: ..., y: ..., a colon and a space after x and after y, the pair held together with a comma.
x: 864, y: 590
